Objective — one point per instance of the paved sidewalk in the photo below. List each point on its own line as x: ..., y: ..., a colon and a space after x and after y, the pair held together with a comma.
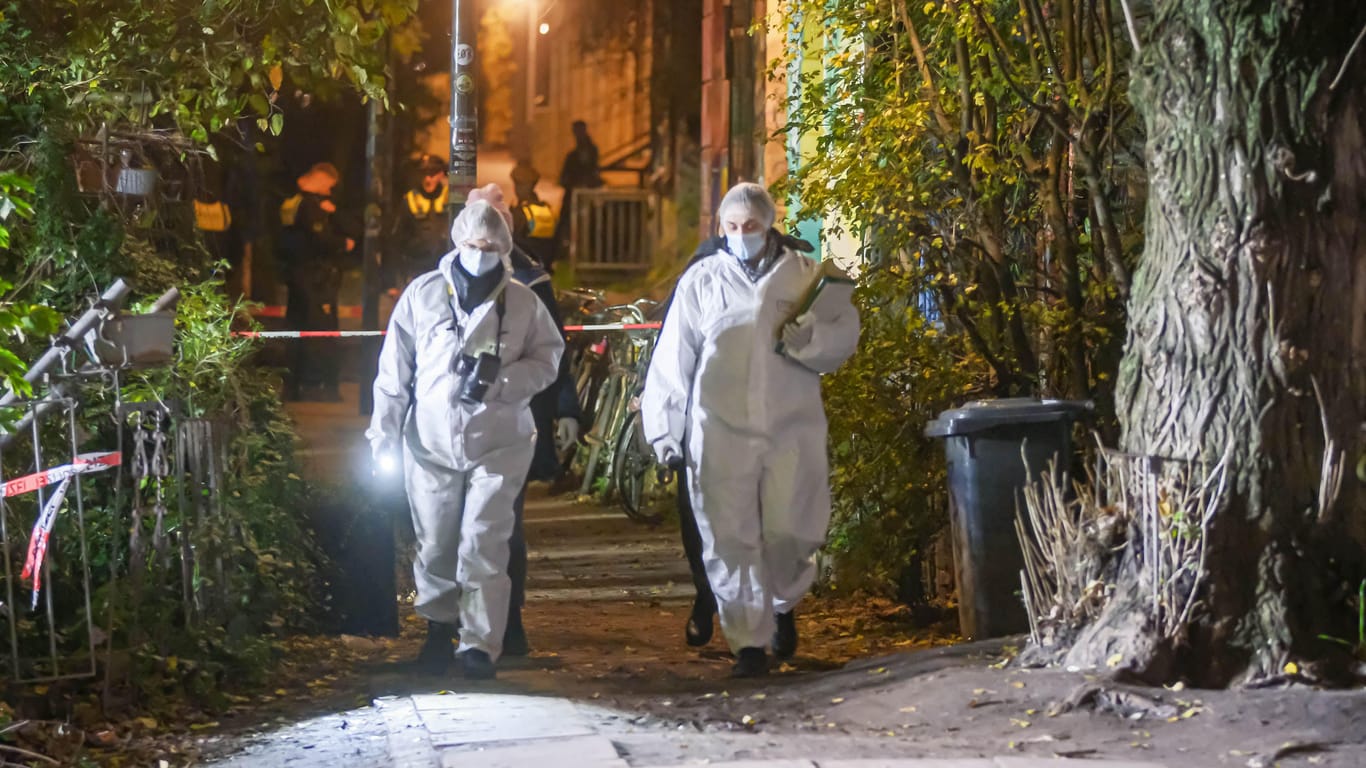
x: 477, y: 730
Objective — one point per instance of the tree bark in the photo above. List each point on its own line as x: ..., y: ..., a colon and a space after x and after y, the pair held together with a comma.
x: 1249, y: 299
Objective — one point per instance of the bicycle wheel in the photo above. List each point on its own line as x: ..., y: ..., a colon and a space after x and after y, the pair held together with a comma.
x: 644, y: 497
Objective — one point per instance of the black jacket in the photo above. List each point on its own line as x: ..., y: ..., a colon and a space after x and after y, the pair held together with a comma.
x: 559, y: 400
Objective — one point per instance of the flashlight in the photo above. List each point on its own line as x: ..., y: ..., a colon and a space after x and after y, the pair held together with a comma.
x: 387, y: 465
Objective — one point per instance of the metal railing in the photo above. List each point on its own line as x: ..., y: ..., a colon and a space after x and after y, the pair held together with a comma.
x: 164, y: 468
x: 613, y: 229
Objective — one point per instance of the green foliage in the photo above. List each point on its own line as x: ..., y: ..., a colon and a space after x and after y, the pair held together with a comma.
x: 19, y: 320
x: 272, y: 559
x: 993, y: 147
x: 162, y: 70
x: 1357, y: 648
x: 887, y: 478
x: 133, y: 61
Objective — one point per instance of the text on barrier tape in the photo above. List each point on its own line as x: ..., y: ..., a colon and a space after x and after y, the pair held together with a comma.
x: 363, y: 334
x: 47, y: 517
x: 86, y: 462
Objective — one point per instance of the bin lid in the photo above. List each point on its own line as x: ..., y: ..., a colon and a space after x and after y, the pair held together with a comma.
x: 982, y: 415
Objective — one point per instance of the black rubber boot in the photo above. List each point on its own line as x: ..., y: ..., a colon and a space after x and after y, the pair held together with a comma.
x: 478, y: 665
x: 437, y: 654
x: 785, y: 636
x: 699, y: 629
x: 750, y: 662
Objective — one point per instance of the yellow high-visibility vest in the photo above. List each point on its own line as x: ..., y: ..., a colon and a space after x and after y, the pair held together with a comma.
x: 212, y: 217
x: 289, y: 210
x: 540, y: 220
x: 422, y: 206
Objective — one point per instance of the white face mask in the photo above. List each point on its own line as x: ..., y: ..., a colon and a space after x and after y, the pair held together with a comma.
x: 746, y: 246
x: 477, y: 262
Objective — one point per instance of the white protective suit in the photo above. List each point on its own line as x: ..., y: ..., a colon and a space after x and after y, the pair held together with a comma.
x: 755, y: 431
x: 463, y: 464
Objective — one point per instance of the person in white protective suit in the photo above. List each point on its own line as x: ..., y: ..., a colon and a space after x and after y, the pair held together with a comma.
x: 466, y: 349
x: 752, y: 422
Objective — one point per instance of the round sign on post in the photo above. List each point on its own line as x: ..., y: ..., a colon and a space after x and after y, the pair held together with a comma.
x: 464, y: 83
x: 464, y: 55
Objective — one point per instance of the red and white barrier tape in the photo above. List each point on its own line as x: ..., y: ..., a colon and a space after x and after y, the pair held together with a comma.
x: 42, y: 527
x: 85, y: 462
x: 613, y: 327
x: 306, y: 334
x: 37, y: 541
x: 363, y: 334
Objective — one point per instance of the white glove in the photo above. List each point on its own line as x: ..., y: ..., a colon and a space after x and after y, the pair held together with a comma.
x: 566, y: 433
x: 667, y: 450
x: 797, y: 334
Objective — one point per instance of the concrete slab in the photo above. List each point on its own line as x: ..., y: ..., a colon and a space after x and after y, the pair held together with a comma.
x: 1068, y: 763
x: 579, y: 752
x: 746, y: 764
x: 410, y: 745
x: 907, y: 763
x: 465, y: 719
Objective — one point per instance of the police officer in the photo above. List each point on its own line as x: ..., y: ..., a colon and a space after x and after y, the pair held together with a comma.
x: 422, y: 227
x: 312, y: 247
x: 533, y: 220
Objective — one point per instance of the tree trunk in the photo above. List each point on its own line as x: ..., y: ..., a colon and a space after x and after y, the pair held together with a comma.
x: 1249, y: 300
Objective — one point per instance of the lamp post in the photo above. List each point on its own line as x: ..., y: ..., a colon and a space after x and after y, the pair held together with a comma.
x: 464, y: 106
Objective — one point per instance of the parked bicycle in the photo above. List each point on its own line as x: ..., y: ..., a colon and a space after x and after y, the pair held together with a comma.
x: 610, y: 372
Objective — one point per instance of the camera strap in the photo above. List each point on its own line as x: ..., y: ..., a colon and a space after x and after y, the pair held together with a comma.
x: 500, y: 306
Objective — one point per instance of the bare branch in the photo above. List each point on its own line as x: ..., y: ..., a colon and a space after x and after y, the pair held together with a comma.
x: 1347, y: 59
x: 931, y: 92
x: 25, y: 753
x: 1133, y: 28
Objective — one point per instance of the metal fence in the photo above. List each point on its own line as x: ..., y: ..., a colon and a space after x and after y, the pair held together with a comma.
x: 158, y: 512
x: 613, y: 229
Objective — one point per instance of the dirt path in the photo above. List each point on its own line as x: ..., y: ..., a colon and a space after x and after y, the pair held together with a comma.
x: 607, y: 603
x: 608, y: 599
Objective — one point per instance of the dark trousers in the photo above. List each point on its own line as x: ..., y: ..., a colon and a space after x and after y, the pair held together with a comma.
x: 517, y: 562
x: 692, y: 550
x: 311, y: 361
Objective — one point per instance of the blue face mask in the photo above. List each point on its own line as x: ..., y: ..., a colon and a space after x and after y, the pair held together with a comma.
x: 746, y: 246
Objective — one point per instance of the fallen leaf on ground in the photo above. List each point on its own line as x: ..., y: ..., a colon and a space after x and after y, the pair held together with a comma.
x: 837, y: 700
x: 1042, y: 738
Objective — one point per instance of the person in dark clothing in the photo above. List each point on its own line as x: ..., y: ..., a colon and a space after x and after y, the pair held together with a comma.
x: 422, y: 227
x: 312, y: 248
x: 533, y: 220
x: 701, y: 620
x: 580, y: 171
x: 557, y: 422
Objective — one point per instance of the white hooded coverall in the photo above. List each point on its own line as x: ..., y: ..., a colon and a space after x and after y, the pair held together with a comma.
x: 755, y: 431
x: 463, y: 464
